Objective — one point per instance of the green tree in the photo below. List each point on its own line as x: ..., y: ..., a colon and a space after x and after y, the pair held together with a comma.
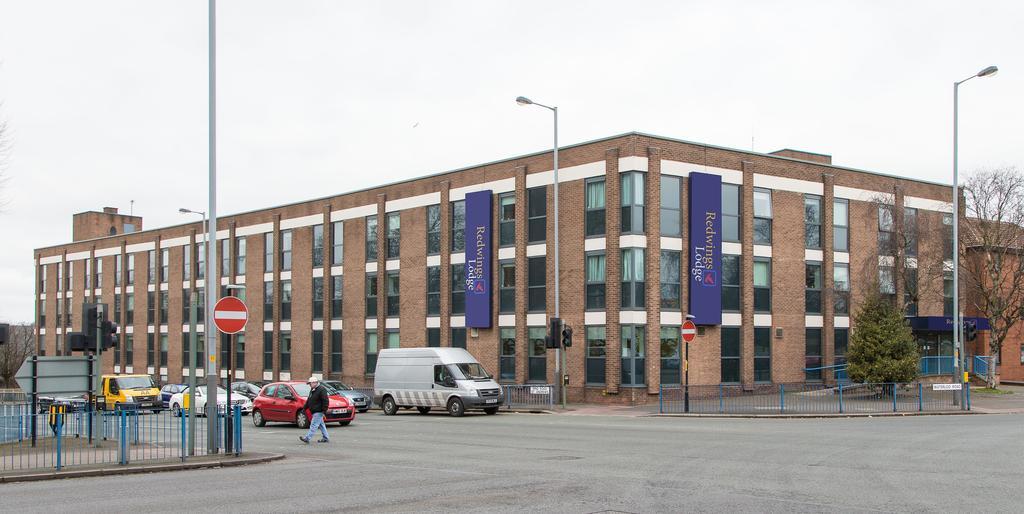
x: 882, y: 348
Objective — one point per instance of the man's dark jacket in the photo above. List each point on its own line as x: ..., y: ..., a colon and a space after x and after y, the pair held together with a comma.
x: 317, y: 400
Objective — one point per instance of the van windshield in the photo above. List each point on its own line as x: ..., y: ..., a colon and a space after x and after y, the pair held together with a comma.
x: 135, y: 382
x: 473, y: 371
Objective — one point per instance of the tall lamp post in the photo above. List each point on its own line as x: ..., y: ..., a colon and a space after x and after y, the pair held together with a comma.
x: 559, y: 365
x: 193, y: 301
x: 958, y: 340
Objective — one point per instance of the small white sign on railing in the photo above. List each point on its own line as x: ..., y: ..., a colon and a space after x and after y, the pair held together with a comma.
x: 946, y: 387
x: 540, y: 390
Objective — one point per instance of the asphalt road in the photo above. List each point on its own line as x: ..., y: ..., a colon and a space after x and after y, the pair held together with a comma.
x: 565, y: 463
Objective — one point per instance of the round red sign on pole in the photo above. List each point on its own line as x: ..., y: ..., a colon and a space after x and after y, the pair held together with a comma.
x: 230, y: 315
x: 689, y: 331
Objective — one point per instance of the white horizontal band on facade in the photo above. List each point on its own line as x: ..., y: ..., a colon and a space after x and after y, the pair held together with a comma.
x: 107, y: 252
x: 371, y: 267
x: 732, y: 319
x: 371, y: 324
x: 163, y: 329
x: 929, y: 204
x: 412, y: 202
x: 304, y: 221
x: 391, y: 264
x: 140, y: 247
x: 886, y: 260
x: 672, y: 318
x: 947, y: 265
x: 632, y: 317
x: 53, y: 259
x: 433, y: 260
x: 633, y: 163
x: 268, y: 375
x: 457, y: 258
x: 130, y: 329
x: 581, y: 172
x: 789, y: 184
x: 251, y: 230
x: 268, y: 326
x: 170, y: 242
x: 506, y: 320
x: 60, y: 331
x: 841, y: 257
x: 814, y: 255
x: 199, y: 371
x: 71, y: 294
x: 127, y: 290
x: 762, y: 320
x: 286, y: 375
x: 433, y: 322
x: 507, y: 253
x: 841, y: 322
x: 286, y: 275
x: 150, y: 329
x: 863, y: 195
x: 683, y: 169
x: 762, y: 251
x: 812, y: 321
x: 200, y: 329
x: 392, y: 323
x: 732, y: 248
x: 221, y: 234
x: 336, y: 324
x: 337, y: 270
x: 496, y: 186
x: 78, y: 256
x: 457, y: 322
x: 633, y: 241
x: 537, y: 319
x: 672, y: 243
x: 42, y: 331
x: 151, y: 288
x: 536, y: 250
x: 240, y: 374
x: 595, y: 318
x: 286, y: 326
x: 910, y: 262
x: 354, y: 212
x: 318, y: 272
x: 150, y: 370
x: 594, y: 244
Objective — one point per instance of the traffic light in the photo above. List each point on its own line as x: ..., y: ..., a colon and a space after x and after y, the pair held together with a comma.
x: 94, y: 318
x: 551, y: 341
x: 971, y: 330
x: 89, y: 322
x: 108, y: 334
x: 567, y: 336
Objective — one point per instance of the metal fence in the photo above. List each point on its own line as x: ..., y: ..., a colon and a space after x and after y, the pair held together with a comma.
x: 937, y: 365
x: 539, y: 396
x: 64, y: 437
x: 8, y: 396
x: 807, y: 399
x: 983, y: 366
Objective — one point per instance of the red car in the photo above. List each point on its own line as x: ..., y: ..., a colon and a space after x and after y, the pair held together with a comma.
x: 283, y: 401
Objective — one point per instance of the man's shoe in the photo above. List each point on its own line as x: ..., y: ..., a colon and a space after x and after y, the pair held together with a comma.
x: 303, y: 439
x: 323, y: 440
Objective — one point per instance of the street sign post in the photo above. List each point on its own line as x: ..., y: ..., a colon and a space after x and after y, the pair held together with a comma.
x: 230, y: 315
x: 688, y: 331
x: 53, y: 376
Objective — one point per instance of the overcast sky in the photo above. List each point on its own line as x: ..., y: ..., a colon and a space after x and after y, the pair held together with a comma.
x: 106, y: 101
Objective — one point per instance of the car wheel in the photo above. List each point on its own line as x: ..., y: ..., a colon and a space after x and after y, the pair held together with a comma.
x: 257, y: 419
x: 388, y: 406
x: 456, y: 408
x: 363, y: 411
x: 344, y: 423
x: 423, y: 410
x: 176, y: 410
x: 301, y: 420
x: 490, y: 411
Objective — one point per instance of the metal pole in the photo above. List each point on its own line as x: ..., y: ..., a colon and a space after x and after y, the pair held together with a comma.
x: 957, y: 342
x: 229, y: 362
x: 559, y: 356
x: 211, y: 254
x: 686, y: 373
x: 193, y: 313
x: 97, y: 376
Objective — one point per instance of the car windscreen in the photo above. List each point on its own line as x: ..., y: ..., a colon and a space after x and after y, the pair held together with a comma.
x: 135, y: 383
x: 472, y: 371
x: 301, y: 389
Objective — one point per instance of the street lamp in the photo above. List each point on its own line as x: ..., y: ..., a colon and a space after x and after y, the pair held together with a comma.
x: 958, y: 341
x: 193, y: 343
x: 559, y: 365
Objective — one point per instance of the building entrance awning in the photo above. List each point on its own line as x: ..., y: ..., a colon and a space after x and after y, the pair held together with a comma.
x: 942, y: 323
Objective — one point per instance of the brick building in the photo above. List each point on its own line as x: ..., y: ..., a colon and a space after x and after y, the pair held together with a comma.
x: 330, y: 281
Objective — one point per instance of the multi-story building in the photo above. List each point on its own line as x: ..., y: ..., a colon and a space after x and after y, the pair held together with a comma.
x: 795, y: 243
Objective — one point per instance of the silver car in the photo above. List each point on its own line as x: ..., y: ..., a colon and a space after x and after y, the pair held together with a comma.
x: 362, y: 402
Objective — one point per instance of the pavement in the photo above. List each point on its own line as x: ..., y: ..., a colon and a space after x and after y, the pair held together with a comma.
x: 153, y: 466
x: 588, y: 462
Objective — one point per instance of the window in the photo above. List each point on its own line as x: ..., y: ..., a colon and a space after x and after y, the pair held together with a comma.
x: 392, y: 340
x: 947, y: 293
x: 536, y: 284
x: 596, y: 346
x: 165, y: 300
x: 200, y: 304
x: 99, y: 271
x: 200, y: 261
x: 150, y: 351
x: 60, y: 313
x: 394, y: 233
x: 762, y: 354
x: 117, y: 272
x: 947, y: 237
x: 129, y: 318
x: 165, y: 262
x: 239, y: 351
x: 117, y: 309
x: 671, y: 206
x: 458, y: 337
x: 286, y: 250
x: 730, y: 355
x: 200, y: 350
x: 42, y: 278
x: 731, y: 283
x: 318, y: 351
x: 458, y: 226
x: 537, y: 212
x: 433, y: 290
x: 371, y: 352
x: 840, y: 344
x: 117, y: 349
x: 371, y: 238
x: 163, y: 350
x: 284, y: 346
x: 69, y: 276
x: 371, y: 295
x: 507, y: 355
x: 812, y: 353
x: 433, y: 229
x: 633, y: 355
x: 886, y: 283
x: 225, y: 257
x: 671, y: 288
x: 392, y: 291
x: 910, y: 231
x: 841, y: 225
x: 762, y: 216
x: 42, y: 313
x: 337, y: 243
x: 910, y: 297
x: 335, y: 351
x: 632, y: 196
x: 596, y: 281
x: 886, y: 231
x: 268, y: 351
x: 286, y: 300
x: 150, y: 269
x: 633, y: 278
x: 268, y: 252
x: 336, y: 293
x: 458, y: 300
x: 88, y: 274
x: 318, y: 246
x: 507, y: 219
x: 318, y: 297
x: 595, y: 206
x: 812, y: 221
x: 538, y: 355
x: 129, y: 350
x: 268, y: 301
x: 762, y: 284
x: 812, y: 288
x: 841, y: 289
x: 671, y: 363
x: 507, y: 287
x: 433, y: 337
x: 150, y: 307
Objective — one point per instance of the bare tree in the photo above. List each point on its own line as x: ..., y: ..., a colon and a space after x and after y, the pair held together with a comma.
x: 13, y: 354
x: 992, y: 249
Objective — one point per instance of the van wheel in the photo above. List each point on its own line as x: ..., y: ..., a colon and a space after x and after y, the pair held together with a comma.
x: 388, y: 406
x: 301, y: 420
x: 257, y: 419
x: 456, y: 408
x: 490, y: 411
x: 423, y: 410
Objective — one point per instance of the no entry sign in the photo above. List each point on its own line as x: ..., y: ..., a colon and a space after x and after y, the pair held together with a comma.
x: 688, y: 330
x: 230, y: 315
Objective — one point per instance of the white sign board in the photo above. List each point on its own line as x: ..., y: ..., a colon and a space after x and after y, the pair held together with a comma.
x: 946, y: 387
x: 55, y: 375
x: 540, y: 390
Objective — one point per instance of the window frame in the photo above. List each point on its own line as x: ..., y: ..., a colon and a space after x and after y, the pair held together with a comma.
x: 457, y: 220
x: 812, y: 360
x: 536, y: 214
x: 764, y: 219
x: 762, y: 360
x: 634, y: 206
x: 371, y: 238
x: 840, y: 294
x: 433, y: 295
x: 393, y: 233
x: 596, y: 287
x: 506, y: 225
x: 506, y: 291
x: 841, y: 226
x: 813, y: 293
x: 506, y: 359
x: 457, y: 296
x: 370, y: 289
x: 677, y: 210
x: 678, y: 284
x: 318, y: 246
x: 392, y: 290
x: 434, y: 229
x: 595, y: 218
x: 761, y: 308
x: 536, y: 293
x: 633, y: 288
x: 337, y: 243
x: 812, y: 227
x: 596, y: 356
x: 731, y: 359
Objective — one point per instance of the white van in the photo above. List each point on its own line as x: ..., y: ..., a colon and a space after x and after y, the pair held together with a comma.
x: 426, y: 378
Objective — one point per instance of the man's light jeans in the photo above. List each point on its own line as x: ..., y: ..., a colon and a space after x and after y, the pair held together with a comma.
x: 315, y: 423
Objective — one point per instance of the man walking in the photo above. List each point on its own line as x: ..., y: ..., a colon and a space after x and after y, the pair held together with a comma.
x: 317, y: 403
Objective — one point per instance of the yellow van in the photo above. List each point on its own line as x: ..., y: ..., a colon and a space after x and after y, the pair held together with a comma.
x: 131, y: 391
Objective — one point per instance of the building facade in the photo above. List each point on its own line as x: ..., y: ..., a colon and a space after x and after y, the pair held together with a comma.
x: 329, y: 282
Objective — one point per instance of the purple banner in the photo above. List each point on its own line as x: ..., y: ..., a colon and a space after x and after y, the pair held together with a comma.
x: 706, y: 248
x: 478, y: 259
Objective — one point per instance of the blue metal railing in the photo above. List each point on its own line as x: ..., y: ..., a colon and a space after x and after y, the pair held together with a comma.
x: 937, y: 365
x: 983, y: 366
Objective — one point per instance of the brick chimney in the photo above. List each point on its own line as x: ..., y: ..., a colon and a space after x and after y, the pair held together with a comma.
x: 93, y: 224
